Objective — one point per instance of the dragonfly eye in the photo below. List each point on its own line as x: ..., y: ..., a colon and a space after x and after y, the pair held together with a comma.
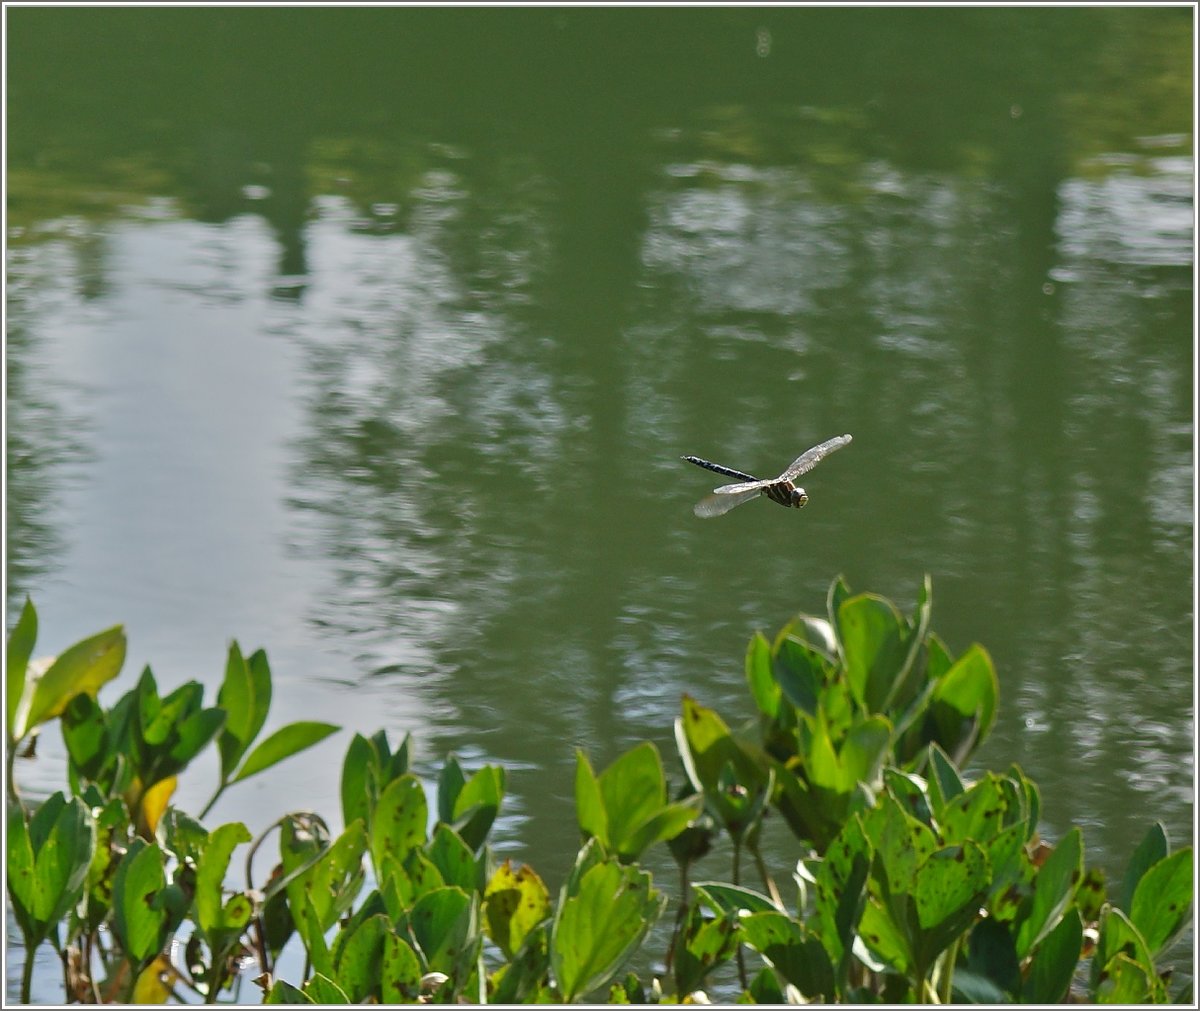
x: 799, y: 498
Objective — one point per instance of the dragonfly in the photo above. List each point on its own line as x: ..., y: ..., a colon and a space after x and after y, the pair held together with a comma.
x: 780, y: 489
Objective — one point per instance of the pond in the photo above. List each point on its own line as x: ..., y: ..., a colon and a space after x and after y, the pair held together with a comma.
x: 374, y: 337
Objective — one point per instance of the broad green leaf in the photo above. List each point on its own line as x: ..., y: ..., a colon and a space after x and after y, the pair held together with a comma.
x: 1054, y: 962
x: 598, y: 927
x: 62, y: 834
x: 445, y: 926
x: 358, y: 787
x: 1162, y: 902
x: 192, y: 736
x: 285, y: 993
x: 1151, y: 850
x: 323, y: 990
x: 873, y: 638
x: 736, y: 899
x: 450, y: 784
x: 285, y: 742
x: 400, y: 971
x: 1052, y: 890
x: 522, y: 979
x: 1126, y: 981
x: 971, y: 689
x: 20, y: 648
x: 401, y: 817
x: 992, y: 958
x: 1119, y: 938
x: 85, y: 734
x: 84, y: 667
x: 839, y: 894
x: 634, y: 790
x: 665, y: 825
x: 797, y: 957
x: 950, y: 887
x: 453, y: 858
x: 21, y: 877
x: 312, y: 933
x: 358, y: 958
x: 335, y: 878
x: 236, y: 697
x: 945, y: 783
x: 514, y: 902
x: 478, y: 804
x: 763, y: 686
x: 210, y: 876
x: 589, y: 803
x: 885, y: 938
x: 980, y: 813
x: 703, y: 944
x: 138, y: 920
x: 800, y: 671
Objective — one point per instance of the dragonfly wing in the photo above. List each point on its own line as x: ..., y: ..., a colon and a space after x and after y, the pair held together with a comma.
x: 720, y: 501
x: 807, y: 460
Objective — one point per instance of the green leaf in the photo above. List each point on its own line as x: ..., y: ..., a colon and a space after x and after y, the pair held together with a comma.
x: 702, y: 945
x: 763, y: 686
x: 797, y: 957
x: 285, y: 993
x: 1126, y: 981
x: 285, y: 742
x: 477, y: 805
x: 873, y: 636
x: 589, y: 802
x: 444, y: 924
x: 358, y: 957
x: 944, y: 781
x: 138, y: 920
x: 358, y: 787
x: 323, y: 990
x: 85, y: 734
x: 600, y: 925
x: 723, y: 899
x: 1162, y: 902
x: 84, y: 667
x: 400, y: 971
x: 514, y: 903
x: 401, y: 817
x: 800, y: 670
x: 210, y: 876
x: 453, y: 858
x: 236, y: 697
x: 634, y: 790
x: 1054, y: 962
x: 1052, y: 890
x: 968, y: 692
x: 63, y: 836
x: 20, y: 648
x: 840, y: 894
x: 22, y: 879
x: 950, y: 887
x: 332, y: 882
x: 1150, y: 851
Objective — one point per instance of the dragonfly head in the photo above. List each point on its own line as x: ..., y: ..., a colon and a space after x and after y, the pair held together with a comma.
x: 799, y: 498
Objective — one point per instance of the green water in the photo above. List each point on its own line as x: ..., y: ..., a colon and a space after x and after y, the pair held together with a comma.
x: 373, y: 337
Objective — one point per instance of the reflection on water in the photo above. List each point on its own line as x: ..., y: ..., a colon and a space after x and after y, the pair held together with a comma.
x: 405, y: 407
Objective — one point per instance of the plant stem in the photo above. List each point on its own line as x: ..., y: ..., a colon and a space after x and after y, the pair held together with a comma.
x: 737, y: 878
x: 768, y: 881
x: 27, y: 974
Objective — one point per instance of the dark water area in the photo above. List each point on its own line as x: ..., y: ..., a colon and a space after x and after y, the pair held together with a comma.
x: 373, y: 337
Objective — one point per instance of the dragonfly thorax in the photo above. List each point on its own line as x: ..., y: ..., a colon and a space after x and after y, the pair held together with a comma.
x: 786, y: 494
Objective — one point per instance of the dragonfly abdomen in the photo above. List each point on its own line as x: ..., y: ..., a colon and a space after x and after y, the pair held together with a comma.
x: 718, y: 469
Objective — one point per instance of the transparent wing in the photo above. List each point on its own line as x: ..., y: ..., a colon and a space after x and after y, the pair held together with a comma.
x: 807, y: 460
x: 718, y: 504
